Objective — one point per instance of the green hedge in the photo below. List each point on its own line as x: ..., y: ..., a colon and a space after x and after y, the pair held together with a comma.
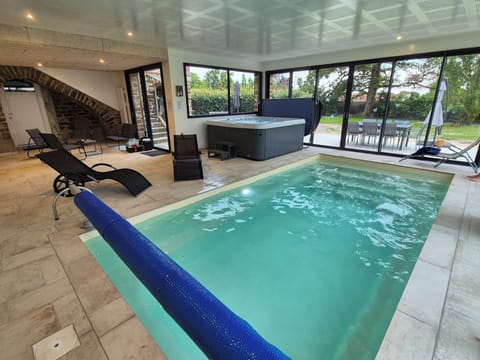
x: 206, y: 101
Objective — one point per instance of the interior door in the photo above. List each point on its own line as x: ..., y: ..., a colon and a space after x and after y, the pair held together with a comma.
x: 23, y: 111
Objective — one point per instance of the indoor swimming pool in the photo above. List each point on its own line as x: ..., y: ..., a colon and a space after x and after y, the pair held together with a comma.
x: 315, y: 257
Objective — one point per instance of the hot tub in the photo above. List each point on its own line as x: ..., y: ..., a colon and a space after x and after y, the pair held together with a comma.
x: 257, y: 137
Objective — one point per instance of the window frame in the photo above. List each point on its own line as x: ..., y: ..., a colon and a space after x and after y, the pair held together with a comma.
x: 256, y: 74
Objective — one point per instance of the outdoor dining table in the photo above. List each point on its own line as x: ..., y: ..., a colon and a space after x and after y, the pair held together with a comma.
x: 404, y: 129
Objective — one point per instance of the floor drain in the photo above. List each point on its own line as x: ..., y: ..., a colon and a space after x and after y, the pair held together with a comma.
x: 56, y: 345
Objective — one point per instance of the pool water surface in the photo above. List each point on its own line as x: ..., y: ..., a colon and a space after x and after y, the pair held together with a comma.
x: 315, y: 257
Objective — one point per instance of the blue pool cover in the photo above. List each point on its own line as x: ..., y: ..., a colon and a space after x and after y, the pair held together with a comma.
x: 216, y: 330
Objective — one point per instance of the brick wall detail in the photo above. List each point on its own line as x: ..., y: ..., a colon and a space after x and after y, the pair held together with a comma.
x: 68, y: 102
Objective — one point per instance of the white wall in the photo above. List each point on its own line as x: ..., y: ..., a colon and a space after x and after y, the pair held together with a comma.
x: 176, y: 59
x: 398, y: 48
x: 101, y: 85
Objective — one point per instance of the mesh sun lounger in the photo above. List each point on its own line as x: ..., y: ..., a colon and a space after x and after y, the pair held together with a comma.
x: 455, y: 153
x: 35, y: 142
x: 53, y: 142
x: 72, y: 169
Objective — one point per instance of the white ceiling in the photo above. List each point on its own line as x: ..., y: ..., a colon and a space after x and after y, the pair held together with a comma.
x: 75, y: 34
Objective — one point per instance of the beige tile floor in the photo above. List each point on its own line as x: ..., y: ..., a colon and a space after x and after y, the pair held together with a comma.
x: 48, y: 279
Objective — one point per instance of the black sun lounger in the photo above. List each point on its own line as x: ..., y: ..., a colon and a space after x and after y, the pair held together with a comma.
x: 72, y: 169
x: 35, y: 142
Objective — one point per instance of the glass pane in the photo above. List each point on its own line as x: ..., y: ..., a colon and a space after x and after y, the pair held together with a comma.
x: 156, y: 107
x: 279, y: 84
x: 207, y: 92
x: 243, y: 91
x: 411, y: 98
x: 331, y: 90
x: 461, y: 103
x: 367, y: 106
x: 137, y: 102
x: 303, y: 84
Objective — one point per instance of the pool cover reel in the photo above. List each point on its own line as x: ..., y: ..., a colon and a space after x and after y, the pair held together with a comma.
x: 216, y: 330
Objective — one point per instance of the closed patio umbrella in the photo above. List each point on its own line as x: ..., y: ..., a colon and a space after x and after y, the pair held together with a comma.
x: 437, y: 119
x: 236, y: 96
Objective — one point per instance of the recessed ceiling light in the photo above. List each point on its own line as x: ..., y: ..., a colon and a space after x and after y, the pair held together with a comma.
x: 399, y: 37
x: 102, y: 61
x: 40, y: 64
x: 29, y: 16
x: 130, y: 34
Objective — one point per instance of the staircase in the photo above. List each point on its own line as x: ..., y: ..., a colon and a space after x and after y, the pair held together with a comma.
x: 159, y: 132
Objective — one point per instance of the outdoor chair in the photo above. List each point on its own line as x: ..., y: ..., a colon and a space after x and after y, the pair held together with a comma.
x: 83, y: 135
x: 127, y: 131
x: 71, y: 169
x: 390, y: 133
x: 53, y: 142
x: 187, y: 164
x: 369, y: 129
x: 353, y: 131
x: 455, y: 153
x: 404, y: 129
x: 35, y: 142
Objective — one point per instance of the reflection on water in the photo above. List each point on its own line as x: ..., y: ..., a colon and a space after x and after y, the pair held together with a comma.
x: 223, y: 208
x: 382, y: 211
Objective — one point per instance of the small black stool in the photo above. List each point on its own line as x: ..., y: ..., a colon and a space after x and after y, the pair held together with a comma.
x: 224, y: 149
x: 227, y: 146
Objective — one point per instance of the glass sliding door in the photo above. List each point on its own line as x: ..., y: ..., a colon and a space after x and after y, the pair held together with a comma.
x: 147, y: 104
x: 461, y: 102
x: 331, y: 91
x: 391, y: 105
x: 366, y: 120
x: 412, y: 94
x: 158, y: 127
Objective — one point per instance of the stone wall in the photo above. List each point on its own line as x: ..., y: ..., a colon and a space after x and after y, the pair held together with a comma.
x: 67, y: 111
x: 64, y: 96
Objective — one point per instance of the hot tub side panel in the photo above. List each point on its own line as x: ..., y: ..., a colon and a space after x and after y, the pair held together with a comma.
x: 258, y: 144
x: 283, y: 140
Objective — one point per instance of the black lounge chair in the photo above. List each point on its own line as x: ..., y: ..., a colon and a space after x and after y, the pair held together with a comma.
x: 455, y: 153
x: 71, y: 169
x: 35, y: 142
x: 187, y: 164
x: 54, y: 143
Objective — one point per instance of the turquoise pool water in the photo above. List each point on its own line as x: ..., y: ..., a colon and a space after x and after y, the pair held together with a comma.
x: 315, y: 258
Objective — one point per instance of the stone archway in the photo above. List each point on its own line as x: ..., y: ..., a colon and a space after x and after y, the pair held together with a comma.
x: 108, y: 117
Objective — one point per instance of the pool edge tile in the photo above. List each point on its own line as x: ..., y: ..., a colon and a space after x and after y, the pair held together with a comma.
x: 404, y: 331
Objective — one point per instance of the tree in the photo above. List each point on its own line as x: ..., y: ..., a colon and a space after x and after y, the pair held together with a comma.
x: 463, y: 77
x: 212, y: 79
x: 373, y: 86
x: 411, y: 74
x: 196, y: 82
x: 279, y: 85
x: 332, y: 83
x: 306, y: 88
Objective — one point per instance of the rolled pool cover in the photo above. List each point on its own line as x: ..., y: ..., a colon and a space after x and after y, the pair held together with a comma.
x: 216, y: 330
